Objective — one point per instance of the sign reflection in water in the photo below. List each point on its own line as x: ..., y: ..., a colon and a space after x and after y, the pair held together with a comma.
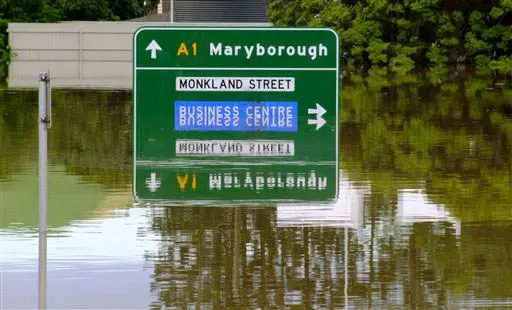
x: 189, y: 181
x: 303, y: 253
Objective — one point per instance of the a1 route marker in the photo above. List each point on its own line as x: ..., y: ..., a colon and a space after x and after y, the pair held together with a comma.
x: 248, y: 98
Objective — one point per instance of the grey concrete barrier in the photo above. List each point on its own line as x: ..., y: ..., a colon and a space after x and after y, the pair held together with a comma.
x: 81, y: 55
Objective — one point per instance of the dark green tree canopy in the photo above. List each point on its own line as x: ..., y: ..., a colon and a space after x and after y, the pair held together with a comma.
x: 29, y: 11
x: 402, y: 34
x: 104, y: 9
x: 55, y: 10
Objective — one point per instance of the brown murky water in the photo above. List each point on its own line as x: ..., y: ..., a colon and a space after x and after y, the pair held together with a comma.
x: 424, y: 219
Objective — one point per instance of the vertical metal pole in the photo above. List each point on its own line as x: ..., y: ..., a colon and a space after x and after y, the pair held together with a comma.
x: 236, y: 254
x: 43, y: 188
x: 346, y: 266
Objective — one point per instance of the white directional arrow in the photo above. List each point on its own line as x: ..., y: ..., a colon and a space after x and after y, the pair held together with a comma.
x: 153, y: 47
x: 152, y: 183
x: 319, y: 121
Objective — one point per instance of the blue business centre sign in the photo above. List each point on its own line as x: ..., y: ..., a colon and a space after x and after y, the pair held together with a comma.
x: 235, y: 116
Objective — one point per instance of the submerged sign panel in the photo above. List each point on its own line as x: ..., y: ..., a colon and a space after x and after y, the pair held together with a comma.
x: 232, y: 95
x: 237, y: 182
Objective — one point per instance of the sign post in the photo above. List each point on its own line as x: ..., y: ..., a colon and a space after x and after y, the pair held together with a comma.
x: 235, y: 113
x: 44, y: 123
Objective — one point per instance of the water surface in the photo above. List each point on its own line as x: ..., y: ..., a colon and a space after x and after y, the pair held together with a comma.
x: 424, y: 218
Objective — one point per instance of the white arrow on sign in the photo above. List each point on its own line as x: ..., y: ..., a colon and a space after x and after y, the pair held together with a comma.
x: 152, y: 183
x: 319, y: 121
x: 153, y: 47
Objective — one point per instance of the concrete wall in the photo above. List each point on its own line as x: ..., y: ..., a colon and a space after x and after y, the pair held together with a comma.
x: 81, y: 54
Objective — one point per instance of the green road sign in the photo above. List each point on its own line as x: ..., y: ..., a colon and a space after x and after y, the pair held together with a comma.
x: 225, y: 95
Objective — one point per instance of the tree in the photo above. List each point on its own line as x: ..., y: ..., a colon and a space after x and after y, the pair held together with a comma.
x: 29, y: 11
x: 402, y: 34
x: 99, y: 10
x: 4, y: 48
x: 96, y: 10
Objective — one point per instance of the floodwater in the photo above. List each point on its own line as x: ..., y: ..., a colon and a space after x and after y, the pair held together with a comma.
x: 424, y: 218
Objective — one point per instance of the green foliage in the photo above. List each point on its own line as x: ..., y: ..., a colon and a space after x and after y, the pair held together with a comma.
x: 377, y: 52
x: 507, y: 5
x: 475, y: 45
x: 30, y: 11
x: 86, y: 9
x: 127, y: 9
x: 402, y: 63
x: 4, y: 49
x: 437, y: 55
x: 496, y: 12
x: 405, y: 33
x: 482, y: 60
x: 503, y: 64
x: 104, y: 10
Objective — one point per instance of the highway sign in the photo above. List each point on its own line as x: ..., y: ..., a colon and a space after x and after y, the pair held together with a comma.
x: 228, y: 95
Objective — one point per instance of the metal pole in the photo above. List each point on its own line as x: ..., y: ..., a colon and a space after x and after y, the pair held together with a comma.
x: 236, y: 254
x: 346, y: 266
x: 43, y: 186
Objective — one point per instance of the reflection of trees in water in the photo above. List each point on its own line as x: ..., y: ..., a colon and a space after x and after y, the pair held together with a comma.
x: 453, y: 140
x: 91, y: 134
x: 229, y: 258
x: 454, y: 136
x: 18, y: 131
x: 238, y: 258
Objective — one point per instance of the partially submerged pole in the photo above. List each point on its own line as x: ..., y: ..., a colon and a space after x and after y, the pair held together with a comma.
x: 44, y: 121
